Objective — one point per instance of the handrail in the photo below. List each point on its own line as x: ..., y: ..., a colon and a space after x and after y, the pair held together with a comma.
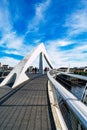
x: 75, y: 76
x: 77, y: 107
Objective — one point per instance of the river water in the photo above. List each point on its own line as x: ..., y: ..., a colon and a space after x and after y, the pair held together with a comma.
x: 77, y: 91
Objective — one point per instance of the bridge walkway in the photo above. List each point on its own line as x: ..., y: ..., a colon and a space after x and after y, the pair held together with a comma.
x: 27, y: 107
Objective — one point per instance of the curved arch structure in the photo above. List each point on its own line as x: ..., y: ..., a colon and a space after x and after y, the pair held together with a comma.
x: 23, y: 65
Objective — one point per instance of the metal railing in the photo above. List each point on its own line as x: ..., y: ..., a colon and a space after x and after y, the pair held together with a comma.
x: 76, y: 106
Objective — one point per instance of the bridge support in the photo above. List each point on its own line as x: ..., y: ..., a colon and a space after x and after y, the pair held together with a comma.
x: 18, y: 75
x: 41, y: 64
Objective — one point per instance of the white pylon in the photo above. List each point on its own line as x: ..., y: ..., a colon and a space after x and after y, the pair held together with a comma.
x: 18, y: 73
x: 41, y: 64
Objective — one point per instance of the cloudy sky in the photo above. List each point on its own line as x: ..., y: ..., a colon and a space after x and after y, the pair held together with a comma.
x: 61, y: 25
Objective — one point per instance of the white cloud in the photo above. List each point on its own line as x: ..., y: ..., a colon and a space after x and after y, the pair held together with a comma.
x: 75, y: 57
x: 15, y: 42
x: 60, y: 42
x: 77, y: 21
x: 9, y: 61
x: 9, y: 37
x: 56, y: 56
x: 40, y: 10
x: 12, y: 52
x: 76, y: 24
x: 5, y: 24
x: 10, y: 40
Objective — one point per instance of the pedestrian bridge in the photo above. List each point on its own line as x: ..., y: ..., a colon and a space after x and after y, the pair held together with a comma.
x: 38, y: 101
x: 34, y: 105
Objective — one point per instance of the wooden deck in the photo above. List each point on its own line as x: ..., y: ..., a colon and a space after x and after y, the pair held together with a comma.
x: 26, y: 107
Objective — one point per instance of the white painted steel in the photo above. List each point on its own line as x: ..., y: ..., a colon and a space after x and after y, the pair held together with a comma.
x: 58, y: 118
x: 23, y: 65
x: 75, y: 76
x: 76, y: 106
x: 84, y: 96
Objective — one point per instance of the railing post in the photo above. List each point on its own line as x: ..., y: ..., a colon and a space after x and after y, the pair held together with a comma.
x: 84, y: 96
x: 74, y: 121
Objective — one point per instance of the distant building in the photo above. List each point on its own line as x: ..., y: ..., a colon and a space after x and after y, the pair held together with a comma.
x: 85, y: 69
x: 5, y: 66
x: 0, y: 64
x: 5, y: 70
x: 64, y: 69
x: 75, y: 69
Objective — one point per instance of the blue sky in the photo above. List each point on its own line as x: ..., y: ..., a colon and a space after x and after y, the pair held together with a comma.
x: 61, y: 25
